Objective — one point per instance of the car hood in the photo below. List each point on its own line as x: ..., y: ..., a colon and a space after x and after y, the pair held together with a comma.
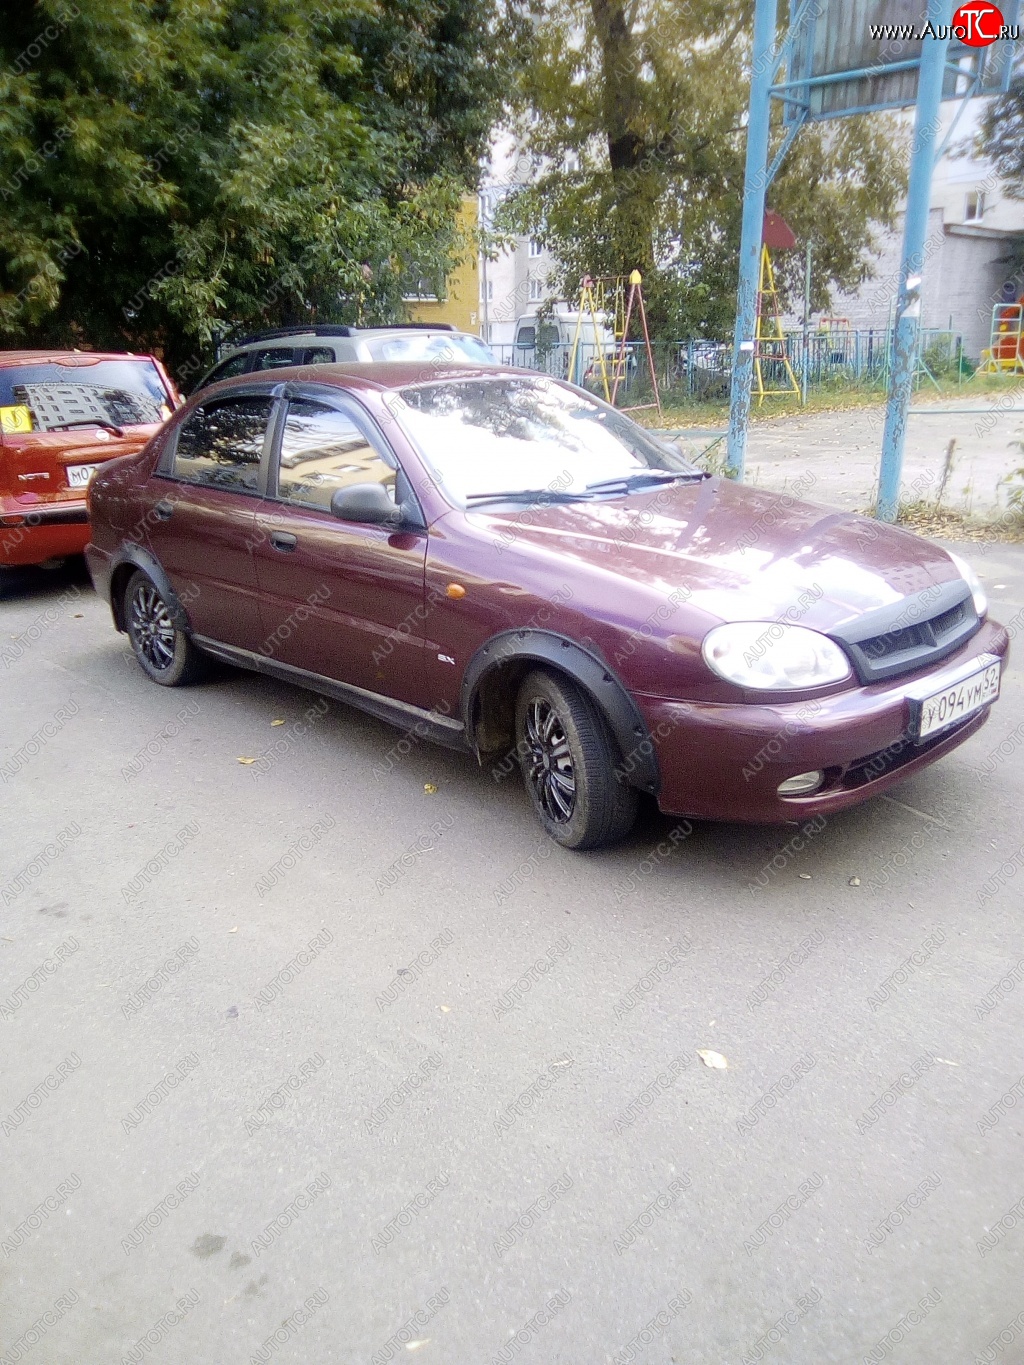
x: 738, y: 553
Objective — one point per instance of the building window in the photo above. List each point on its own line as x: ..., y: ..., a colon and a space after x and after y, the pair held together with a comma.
x: 572, y: 163
x: 974, y: 207
x: 536, y: 248
x: 536, y: 290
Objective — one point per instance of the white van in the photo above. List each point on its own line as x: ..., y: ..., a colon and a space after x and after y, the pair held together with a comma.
x: 546, y: 344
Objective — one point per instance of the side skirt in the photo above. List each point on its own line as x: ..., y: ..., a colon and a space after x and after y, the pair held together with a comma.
x: 430, y: 724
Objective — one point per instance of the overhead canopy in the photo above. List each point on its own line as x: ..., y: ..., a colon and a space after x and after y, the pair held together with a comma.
x: 776, y: 234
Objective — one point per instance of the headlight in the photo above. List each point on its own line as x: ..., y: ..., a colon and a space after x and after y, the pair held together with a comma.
x: 973, y: 582
x: 773, y: 657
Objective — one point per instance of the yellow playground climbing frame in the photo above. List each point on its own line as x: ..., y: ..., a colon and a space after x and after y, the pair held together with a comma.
x: 773, y: 373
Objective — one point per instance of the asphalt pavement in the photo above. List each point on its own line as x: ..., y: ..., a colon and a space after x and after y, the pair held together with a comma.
x: 314, y: 1049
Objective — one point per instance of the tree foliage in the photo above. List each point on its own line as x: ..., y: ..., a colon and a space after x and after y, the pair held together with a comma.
x: 171, y: 167
x: 1002, y: 141
x: 649, y: 98
x: 1002, y: 137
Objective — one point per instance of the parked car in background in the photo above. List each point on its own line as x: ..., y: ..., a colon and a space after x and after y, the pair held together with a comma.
x: 499, y: 561
x: 436, y: 342
x: 63, y: 414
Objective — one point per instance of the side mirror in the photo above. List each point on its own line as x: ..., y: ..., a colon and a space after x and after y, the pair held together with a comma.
x: 370, y: 503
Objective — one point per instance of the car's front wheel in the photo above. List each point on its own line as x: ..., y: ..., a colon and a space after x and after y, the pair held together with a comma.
x: 568, y: 763
x: 164, y: 652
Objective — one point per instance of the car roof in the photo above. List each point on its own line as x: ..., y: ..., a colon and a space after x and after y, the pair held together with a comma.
x: 11, y: 358
x: 290, y: 340
x: 375, y: 374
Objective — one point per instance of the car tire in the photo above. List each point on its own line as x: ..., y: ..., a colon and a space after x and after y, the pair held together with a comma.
x: 164, y: 652
x: 568, y: 762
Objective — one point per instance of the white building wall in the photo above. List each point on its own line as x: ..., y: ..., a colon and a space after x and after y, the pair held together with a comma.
x: 963, y: 276
x: 517, y: 282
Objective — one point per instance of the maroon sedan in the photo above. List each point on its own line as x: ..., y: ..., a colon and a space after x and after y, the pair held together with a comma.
x: 504, y: 563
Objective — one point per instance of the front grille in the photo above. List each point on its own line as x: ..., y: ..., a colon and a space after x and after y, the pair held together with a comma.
x: 910, y: 634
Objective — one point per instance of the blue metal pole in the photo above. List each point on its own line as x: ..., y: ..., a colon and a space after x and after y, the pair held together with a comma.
x: 754, y: 184
x: 908, y: 306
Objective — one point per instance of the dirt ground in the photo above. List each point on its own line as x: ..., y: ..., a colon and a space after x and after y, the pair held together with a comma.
x: 835, y: 454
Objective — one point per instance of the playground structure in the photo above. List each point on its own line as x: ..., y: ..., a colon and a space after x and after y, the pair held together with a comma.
x: 606, y: 298
x: 773, y: 372
x: 1005, y: 351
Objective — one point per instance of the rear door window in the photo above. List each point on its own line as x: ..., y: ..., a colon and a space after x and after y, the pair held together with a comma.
x: 318, y: 355
x: 275, y: 358
x: 220, y: 444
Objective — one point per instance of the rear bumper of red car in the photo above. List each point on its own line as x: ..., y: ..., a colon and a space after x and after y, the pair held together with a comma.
x: 44, y: 531
x: 724, y: 762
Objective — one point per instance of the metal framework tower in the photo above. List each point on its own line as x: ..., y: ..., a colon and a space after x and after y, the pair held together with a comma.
x: 771, y: 358
x: 832, y: 70
x: 606, y: 296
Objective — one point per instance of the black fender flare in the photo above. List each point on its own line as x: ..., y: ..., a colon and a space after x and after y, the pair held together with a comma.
x: 589, y: 672
x: 149, y: 564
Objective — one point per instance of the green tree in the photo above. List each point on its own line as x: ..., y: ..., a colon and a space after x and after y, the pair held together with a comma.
x: 172, y: 167
x: 1001, y: 139
x: 649, y: 99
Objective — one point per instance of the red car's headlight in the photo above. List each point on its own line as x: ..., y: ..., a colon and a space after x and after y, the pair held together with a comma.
x: 773, y: 657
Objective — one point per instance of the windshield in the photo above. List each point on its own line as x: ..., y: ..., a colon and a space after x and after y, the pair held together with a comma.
x: 489, y: 435
x: 81, y: 392
x: 441, y: 346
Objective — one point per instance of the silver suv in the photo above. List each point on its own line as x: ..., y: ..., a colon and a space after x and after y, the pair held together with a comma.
x: 330, y: 345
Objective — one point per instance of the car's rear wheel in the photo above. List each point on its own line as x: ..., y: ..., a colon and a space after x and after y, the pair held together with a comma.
x: 164, y: 652
x: 568, y: 763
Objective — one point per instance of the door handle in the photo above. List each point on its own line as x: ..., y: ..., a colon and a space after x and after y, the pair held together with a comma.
x: 284, y: 541
x: 164, y: 509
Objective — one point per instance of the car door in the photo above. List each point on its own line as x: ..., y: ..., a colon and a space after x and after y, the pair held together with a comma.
x: 338, y: 598
x: 201, y: 518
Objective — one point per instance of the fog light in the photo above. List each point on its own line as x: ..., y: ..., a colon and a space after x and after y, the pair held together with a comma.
x: 802, y: 784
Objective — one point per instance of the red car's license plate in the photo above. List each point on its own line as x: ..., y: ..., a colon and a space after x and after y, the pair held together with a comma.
x: 961, y: 697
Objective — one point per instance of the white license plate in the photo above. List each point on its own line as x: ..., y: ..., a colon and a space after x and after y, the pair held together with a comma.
x: 80, y: 474
x: 955, y: 702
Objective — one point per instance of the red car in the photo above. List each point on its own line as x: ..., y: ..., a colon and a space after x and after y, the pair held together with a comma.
x: 503, y: 563
x: 62, y: 415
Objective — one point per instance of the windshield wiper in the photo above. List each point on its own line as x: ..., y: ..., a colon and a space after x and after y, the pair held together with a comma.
x: 643, y: 478
x: 538, y: 495
x: 87, y: 422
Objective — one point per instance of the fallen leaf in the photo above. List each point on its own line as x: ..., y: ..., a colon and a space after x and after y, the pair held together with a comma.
x: 246, y: 761
x: 79, y: 615
x: 946, y: 1062
x: 429, y: 788
x: 854, y: 881
x: 234, y: 930
x: 415, y: 1345
x: 805, y: 876
x: 277, y: 722
x: 445, y: 1009
x: 712, y: 1059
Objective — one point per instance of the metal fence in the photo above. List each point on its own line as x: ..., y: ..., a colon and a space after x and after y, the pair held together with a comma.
x: 700, y: 371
